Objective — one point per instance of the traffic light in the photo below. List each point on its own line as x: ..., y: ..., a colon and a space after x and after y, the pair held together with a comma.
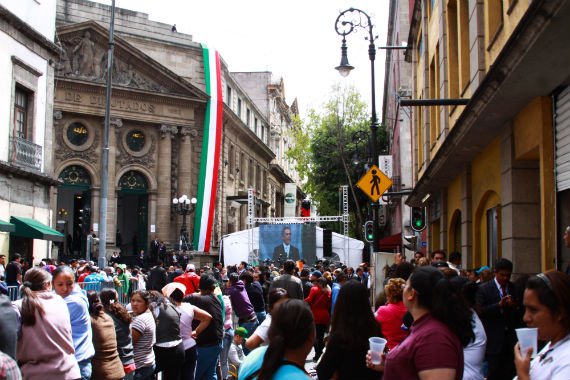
x: 413, y: 242
x: 306, y: 208
x: 369, y: 231
x: 84, y: 220
x: 418, y: 219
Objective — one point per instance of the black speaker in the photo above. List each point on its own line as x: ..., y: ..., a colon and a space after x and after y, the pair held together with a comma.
x: 327, y: 242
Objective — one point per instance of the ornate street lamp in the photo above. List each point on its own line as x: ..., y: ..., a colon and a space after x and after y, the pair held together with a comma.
x: 184, y: 206
x: 346, y: 22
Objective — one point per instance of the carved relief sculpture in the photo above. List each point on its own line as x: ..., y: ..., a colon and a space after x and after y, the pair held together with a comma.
x: 84, y: 53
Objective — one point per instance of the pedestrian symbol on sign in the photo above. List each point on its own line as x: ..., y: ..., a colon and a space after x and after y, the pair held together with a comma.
x: 376, y: 182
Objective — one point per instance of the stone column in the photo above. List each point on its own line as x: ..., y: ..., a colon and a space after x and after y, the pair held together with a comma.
x: 467, y: 260
x: 520, y: 208
x: 163, y: 201
x: 185, y: 174
x: 115, y: 124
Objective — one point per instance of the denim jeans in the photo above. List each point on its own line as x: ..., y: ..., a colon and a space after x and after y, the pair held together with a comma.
x: 207, y: 361
x: 144, y: 373
x: 250, y: 327
x: 260, y: 317
x: 85, y: 369
x: 189, y: 367
x: 226, y: 343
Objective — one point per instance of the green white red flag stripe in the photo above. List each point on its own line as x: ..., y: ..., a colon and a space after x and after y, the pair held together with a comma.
x: 210, y: 158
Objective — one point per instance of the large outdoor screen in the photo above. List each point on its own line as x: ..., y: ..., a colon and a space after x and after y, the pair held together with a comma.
x: 280, y: 242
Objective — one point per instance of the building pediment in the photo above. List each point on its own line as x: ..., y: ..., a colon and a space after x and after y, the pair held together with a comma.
x: 84, y: 55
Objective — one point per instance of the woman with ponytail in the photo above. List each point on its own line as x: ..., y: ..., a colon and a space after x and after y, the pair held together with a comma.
x: 45, y: 347
x: 441, y: 328
x: 291, y: 337
x: 144, y: 334
x: 122, y: 320
x: 106, y: 363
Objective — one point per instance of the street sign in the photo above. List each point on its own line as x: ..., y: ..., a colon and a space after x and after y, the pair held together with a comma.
x: 424, y: 244
x: 374, y: 183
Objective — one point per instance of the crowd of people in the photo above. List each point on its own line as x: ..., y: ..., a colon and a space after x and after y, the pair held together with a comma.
x: 263, y: 322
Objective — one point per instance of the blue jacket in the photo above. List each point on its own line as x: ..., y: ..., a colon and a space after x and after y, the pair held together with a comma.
x: 78, y: 306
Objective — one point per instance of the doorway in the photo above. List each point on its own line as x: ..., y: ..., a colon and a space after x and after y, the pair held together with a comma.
x: 74, y: 211
x: 132, y: 213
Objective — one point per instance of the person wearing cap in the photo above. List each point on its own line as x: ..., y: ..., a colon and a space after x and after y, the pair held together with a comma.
x: 209, y: 342
x: 189, y: 279
x: 320, y: 301
x: 236, y: 354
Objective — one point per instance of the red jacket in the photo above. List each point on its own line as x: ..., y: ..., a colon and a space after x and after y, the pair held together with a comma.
x: 320, y: 305
x: 190, y: 280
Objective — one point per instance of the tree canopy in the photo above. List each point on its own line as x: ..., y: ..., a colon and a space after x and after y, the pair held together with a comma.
x: 326, y: 144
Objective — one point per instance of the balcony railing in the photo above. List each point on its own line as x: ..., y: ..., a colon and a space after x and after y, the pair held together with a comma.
x: 25, y: 153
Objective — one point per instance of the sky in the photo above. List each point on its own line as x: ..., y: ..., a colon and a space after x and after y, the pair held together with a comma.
x: 293, y: 39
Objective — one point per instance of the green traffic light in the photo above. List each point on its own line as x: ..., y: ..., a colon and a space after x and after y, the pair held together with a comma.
x: 418, y: 223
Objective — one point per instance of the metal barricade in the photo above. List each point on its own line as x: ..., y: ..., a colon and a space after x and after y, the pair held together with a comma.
x: 14, y: 293
x: 124, y: 296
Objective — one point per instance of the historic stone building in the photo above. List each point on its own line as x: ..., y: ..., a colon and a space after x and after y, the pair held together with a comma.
x: 155, y: 142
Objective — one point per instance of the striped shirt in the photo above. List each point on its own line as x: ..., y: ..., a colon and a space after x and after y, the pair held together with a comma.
x: 144, y: 324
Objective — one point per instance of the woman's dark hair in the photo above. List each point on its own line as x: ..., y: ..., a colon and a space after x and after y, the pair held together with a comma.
x: 553, y: 291
x: 468, y: 290
x: 275, y: 295
x: 63, y: 269
x: 95, y: 305
x: 247, y: 277
x: 292, y: 325
x: 110, y: 301
x: 445, y: 303
x: 177, y: 295
x: 352, y: 308
x: 35, y: 280
x: 403, y: 270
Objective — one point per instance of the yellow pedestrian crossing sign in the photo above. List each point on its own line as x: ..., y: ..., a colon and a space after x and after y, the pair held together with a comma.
x: 374, y: 183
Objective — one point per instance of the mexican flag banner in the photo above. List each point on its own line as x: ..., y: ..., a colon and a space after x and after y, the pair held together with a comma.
x: 210, y: 158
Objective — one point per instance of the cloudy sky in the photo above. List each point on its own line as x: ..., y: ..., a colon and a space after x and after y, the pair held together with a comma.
x: 294, y: 39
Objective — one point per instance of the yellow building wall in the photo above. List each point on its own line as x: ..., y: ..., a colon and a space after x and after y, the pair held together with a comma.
x: 511, y: 18
x: 485, y: 190
x: 435, y: 237
x: 534, y: 141
x: 454, y: 196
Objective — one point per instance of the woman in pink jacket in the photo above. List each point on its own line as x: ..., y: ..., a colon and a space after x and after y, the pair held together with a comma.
x: 45, y: 346
x: 320, y: 301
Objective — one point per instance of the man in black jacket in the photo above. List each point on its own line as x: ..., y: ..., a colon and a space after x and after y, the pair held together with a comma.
x: 285, y: 251
x: 157, y: 277
x: 502, y: 311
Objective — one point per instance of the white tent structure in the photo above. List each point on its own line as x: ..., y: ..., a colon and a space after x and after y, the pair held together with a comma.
x: 235, y: 247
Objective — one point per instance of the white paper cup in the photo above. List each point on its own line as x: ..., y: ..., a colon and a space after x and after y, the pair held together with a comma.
x: 528, y: 337
x: 376, y: 349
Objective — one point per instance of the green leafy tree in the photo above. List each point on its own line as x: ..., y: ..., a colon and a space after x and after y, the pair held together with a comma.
x: 324, y: 150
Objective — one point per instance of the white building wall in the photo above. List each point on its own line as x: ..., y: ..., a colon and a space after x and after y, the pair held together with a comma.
x: 39, y: 14
x: 11, y: 47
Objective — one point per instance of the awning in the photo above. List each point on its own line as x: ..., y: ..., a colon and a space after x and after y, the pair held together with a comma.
x: 7, y: 227
x: 391, y: 242
x: 33, y: 229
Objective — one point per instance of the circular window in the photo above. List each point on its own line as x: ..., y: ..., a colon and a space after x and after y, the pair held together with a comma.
x: 135, y: 140
x: 77, y: 134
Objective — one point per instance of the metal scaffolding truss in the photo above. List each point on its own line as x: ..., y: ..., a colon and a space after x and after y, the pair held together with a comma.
x: 252, y: 220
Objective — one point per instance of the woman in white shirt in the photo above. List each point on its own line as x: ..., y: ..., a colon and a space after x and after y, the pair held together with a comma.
x: 547, y: 304
x: 259, y: 337
x: 474, y: 352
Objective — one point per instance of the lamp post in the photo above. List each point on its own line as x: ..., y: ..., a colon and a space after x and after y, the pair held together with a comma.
x: 184, y: 206
x: 346, y: 22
